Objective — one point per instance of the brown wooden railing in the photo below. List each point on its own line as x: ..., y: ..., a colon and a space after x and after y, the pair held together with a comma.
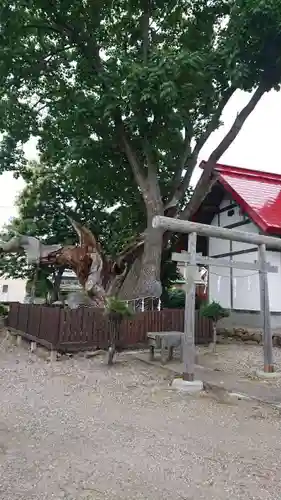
x: 87, y: 328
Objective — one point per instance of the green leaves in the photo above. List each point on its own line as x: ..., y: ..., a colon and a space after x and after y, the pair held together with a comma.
x: 71, y: 72
x: 40, y: 285
x: 254, y: 37
x: 214, y: 311
x: 3, y: 311
x: 51, y: 54
x: 118, y: 308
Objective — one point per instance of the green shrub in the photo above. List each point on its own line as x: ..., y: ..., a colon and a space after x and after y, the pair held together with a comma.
x: 175, y: 299
x: 214, y: 311
x: 3, y: 310
x: 117, y: 306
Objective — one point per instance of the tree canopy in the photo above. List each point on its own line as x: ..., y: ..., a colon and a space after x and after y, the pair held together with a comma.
x: 124, y: 94
x: 51, y: 195
x: 110, y: 85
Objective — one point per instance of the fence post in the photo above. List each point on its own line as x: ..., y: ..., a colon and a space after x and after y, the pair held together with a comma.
x: 28, y: 320
x: 58, y: 336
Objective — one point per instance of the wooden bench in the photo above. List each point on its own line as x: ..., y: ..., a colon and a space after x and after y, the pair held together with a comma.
x: 166, y: 342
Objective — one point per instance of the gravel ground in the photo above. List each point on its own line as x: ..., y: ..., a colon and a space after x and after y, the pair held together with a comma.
x: 239, y: 358
x: 76, y: 429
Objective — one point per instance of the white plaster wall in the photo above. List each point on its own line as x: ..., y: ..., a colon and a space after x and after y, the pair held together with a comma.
x: 245, y: 284
x: 226, y: 201
x: 245, y: 287
x: 218, y: 247
x: 219, y: 285
x: 219, y: 277
x: 226, y: 219
x: 274, y: 282
x: 247, y: 228
x: 16, y: 290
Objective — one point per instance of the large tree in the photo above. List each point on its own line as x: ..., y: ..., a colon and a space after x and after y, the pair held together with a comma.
x: 135, y: 88
x: 43, y: 206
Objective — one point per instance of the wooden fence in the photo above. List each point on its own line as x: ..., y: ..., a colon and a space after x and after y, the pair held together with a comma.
x: 86, y: 328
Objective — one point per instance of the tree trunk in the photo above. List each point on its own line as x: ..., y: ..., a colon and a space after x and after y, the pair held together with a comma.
x: 143, y: 279
x: 57, y: 282
x: 149, y: 282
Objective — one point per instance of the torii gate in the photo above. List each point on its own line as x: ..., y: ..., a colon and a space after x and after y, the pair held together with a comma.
x: 191, y: 260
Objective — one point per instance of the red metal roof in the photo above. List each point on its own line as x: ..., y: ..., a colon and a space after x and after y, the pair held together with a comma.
x: 257, y: 193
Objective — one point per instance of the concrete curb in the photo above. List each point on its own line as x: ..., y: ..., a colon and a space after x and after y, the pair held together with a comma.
x: 173, y: 373
x: 211, y: 386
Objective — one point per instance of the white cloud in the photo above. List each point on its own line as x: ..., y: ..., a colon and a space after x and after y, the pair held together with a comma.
x: 258, y: 146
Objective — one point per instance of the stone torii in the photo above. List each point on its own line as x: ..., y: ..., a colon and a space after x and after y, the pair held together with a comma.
x: 259, y: 240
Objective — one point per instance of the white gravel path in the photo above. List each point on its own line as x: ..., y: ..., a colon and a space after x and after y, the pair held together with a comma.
x: 240, y: 358
x: 78, y: 430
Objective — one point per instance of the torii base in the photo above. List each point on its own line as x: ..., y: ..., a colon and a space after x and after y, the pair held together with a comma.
x: 189, y: 386
x: 267, y: 375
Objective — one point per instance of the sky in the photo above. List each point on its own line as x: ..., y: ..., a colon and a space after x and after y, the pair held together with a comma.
x: 258, y: 146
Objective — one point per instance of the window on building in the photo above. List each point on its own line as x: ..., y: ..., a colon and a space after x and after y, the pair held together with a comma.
x: 5, y: 289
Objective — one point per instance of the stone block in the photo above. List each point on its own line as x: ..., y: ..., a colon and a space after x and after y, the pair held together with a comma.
x: 188, y: 386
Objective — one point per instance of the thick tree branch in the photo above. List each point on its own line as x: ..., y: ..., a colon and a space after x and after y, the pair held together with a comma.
x: 187, y: 146
x: 44, y: 27
x: 203, y: 184
x: 50, y: 56
x: 151, y: 170
x: 191, y: 159
x: 237, y: 125
x: 148, y: 153
x: 133, y: 161
x: 207, y: 178
x: 42, y: 64
x: 184, y: 157
x: 75, y: 34
x: 212, y: 125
